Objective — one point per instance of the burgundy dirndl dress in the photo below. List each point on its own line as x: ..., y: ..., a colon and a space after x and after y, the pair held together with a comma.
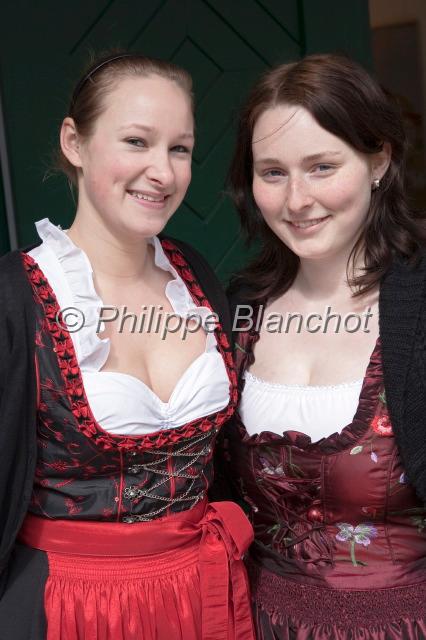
x: 133, y: 549
x: 340, y: 535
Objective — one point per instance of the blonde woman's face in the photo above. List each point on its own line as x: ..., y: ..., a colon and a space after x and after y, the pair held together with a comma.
x: 136, y: 165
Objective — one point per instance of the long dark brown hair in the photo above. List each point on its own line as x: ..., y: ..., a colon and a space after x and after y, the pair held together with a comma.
x: 346, y: 101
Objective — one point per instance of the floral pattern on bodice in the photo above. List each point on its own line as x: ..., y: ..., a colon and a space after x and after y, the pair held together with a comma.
x: 335, y: 507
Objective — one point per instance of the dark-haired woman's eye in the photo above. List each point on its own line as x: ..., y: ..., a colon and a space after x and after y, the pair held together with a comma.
x: 322, y: 168
x: 273, y: 173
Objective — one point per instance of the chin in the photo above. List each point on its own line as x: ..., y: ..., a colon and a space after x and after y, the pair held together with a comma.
x: 147, y: 228
x: 312, y: 253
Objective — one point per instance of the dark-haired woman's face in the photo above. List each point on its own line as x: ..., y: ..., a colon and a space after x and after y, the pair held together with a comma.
x: 136, y: 165
x: 312, y: 188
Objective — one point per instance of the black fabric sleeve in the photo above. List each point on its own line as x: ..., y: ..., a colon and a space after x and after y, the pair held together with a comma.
x: 17, y: 401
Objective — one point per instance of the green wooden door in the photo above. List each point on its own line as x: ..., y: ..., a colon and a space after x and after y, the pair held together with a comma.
x: 4, y: 235
x: 225, y: 44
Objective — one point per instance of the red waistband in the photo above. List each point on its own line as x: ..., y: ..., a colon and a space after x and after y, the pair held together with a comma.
x: 220, y: 528
x: 83, y: 537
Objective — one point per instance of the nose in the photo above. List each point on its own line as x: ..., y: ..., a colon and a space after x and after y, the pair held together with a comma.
x: 160, y: 170
x: 299, y: 197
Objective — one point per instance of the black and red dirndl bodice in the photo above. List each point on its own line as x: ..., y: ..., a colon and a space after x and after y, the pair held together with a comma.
x: 134, y: 549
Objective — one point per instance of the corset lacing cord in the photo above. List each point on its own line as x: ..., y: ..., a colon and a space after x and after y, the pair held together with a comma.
x: 301, y: 488
x: 137, y: 493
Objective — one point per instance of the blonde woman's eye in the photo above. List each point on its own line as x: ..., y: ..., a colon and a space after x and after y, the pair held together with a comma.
x: 180, y: 148
x: 136, y: 142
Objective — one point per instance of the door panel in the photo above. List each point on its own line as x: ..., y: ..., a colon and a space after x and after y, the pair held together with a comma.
x: 225, y: 45
x: 4, y: 237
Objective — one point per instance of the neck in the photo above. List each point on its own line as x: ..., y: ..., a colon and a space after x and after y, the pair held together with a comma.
x: 122, y: 260
x: 325, y: 280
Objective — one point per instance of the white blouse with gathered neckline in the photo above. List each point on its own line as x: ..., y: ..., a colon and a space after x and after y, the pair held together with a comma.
x: 317, y: 411
x: 122, y: 403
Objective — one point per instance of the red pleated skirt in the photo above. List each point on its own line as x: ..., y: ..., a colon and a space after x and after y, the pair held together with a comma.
x: 123, y: 599
x: 175, y: 578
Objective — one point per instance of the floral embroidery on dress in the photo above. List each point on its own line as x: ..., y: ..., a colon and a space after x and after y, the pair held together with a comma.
x: 360, y: 534
x: 278, y: 466
x: 400, y: 485
x: 360, y: 448
x: 380, y: 426
x: 381, y: 423
x: 271, y: 470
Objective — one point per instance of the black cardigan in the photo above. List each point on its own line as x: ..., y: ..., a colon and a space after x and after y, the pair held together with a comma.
x: 18, y: 386
x: 402, y: 321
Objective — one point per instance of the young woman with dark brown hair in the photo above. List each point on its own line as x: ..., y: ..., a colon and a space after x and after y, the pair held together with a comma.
x: 329, y: 448
x: 107, y: 431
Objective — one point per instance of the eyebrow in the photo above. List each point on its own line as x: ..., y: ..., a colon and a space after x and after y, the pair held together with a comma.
x: 311, y: 158
x: 318, y: 156
x: 144, y: 127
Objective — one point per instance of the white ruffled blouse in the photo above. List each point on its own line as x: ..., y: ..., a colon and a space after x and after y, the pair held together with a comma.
x: 317, y: 411
x: 121, y: 403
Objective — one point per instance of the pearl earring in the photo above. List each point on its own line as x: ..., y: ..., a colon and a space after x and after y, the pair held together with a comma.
x: 376, y: 184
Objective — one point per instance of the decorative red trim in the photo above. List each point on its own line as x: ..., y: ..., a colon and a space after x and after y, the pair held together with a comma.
x: 71, y: 373
x: 119, y: 497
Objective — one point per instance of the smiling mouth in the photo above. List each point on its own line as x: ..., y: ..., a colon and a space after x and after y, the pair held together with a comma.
x: 148, y: 198
x: 304, y: 224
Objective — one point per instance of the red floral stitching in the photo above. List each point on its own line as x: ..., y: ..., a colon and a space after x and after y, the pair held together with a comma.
x: 381, y: 425
x: 67, y: 360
